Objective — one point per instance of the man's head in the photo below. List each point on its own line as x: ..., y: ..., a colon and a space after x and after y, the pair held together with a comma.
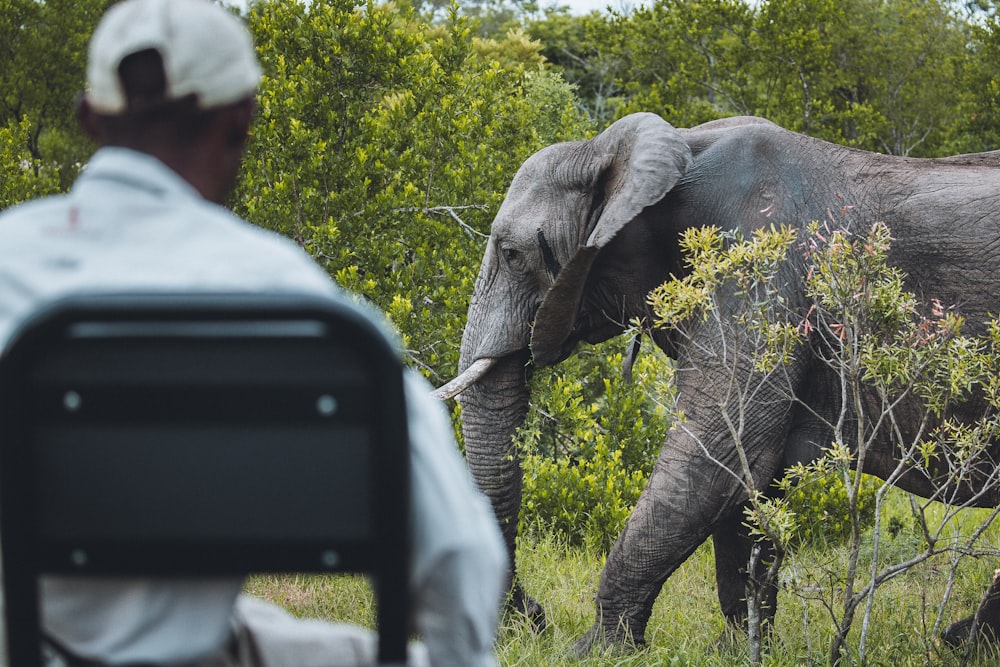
x: 175, y: 79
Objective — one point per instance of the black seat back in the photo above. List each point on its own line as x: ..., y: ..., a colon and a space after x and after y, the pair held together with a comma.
x: 165, y: 435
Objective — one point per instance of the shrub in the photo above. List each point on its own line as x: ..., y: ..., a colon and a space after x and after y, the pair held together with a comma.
x: 22, y: 176
x: 588, y: 447
x: 821, y: 508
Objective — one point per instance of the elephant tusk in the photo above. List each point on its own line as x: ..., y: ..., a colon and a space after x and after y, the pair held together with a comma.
x: 468, y: 378
x: 630, y: 355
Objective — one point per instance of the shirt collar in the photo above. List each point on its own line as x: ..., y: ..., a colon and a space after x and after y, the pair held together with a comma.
x: 135, y: 170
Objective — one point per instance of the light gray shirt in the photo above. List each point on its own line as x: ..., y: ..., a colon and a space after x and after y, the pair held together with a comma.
x: 131, y: 223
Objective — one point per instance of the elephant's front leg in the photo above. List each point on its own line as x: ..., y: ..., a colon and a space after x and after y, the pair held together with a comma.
x: 682, y: 504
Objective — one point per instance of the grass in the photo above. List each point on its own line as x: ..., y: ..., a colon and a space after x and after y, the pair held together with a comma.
x: 686, y: 624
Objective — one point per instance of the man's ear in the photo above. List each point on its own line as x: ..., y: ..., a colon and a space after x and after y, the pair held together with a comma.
x: 239, y: 118
x: 85, y: 115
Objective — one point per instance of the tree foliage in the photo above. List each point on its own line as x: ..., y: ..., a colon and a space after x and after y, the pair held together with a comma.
x: 42, y: 57
x: 23, y: 176
x: 387, y: 134
x: 982, y: 80
x: 384, y: 145
x: 886, y: 75
x: 573, y: 46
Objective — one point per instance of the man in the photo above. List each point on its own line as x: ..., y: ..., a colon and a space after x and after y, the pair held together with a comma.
x: 170, y: 99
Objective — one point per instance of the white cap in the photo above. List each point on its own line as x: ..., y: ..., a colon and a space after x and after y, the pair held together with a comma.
x: 206, y: 51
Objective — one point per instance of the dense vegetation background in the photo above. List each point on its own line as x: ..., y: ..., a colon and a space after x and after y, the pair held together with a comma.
x: 388, y: 133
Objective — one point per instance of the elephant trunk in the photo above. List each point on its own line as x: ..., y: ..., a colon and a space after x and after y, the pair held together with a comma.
x: 492, y: 411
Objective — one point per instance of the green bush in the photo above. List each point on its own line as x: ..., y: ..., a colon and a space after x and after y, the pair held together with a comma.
x: 588, y: 447
x: 22, y: 176
x: 820, y: 505
x: 587, y: 501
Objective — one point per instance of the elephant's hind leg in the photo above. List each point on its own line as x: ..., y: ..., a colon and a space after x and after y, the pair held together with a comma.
x: 984, y: 625
x: 732, y: 542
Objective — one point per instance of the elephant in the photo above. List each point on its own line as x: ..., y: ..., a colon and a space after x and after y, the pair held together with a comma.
x: 588, y: 228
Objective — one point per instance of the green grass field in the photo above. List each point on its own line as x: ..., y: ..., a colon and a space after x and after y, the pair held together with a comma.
x: 686, y: 624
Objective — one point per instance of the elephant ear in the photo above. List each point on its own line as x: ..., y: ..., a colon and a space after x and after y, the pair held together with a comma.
x: 636, y: 161
x: 645, y: 156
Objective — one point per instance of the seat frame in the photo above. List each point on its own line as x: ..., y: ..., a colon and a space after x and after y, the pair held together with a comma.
x: 165, y: 435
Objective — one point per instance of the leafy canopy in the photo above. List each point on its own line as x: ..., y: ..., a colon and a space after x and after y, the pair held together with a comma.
x: 384, y: 145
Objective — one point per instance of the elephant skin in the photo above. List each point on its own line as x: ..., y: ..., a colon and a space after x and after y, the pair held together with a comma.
x: 588, y: 228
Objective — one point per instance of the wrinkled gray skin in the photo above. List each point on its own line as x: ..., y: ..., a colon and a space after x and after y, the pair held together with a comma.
x: 588, y: 228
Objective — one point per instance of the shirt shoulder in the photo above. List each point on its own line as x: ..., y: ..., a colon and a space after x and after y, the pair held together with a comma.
x: 21, y: 215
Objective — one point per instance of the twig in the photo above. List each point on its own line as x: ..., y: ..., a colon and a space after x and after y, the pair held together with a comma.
x: 450, y: 211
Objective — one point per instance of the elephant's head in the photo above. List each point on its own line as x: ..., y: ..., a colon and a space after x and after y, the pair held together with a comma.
x: 538, y: 292
x: 566, y: 203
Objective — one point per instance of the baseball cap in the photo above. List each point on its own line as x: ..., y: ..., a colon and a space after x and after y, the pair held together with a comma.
x: 206, y: 52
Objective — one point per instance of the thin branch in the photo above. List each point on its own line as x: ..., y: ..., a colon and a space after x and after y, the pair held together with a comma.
x: 449, y: 211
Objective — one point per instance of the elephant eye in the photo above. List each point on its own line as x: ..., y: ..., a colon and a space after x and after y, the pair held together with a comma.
x: 509, y: 254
